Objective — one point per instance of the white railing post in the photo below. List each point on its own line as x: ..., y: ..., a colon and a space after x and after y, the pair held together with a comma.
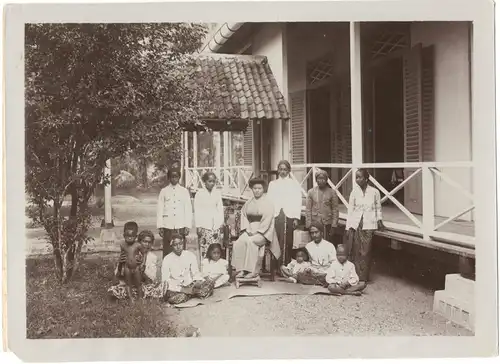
x: 226, y: 149
x: 315, y: 183
x: 427, y: 202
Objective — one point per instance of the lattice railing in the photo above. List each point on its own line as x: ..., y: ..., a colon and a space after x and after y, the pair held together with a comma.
x: 230, y: 179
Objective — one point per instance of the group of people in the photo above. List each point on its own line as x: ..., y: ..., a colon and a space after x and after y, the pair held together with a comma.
x: 267, y: 220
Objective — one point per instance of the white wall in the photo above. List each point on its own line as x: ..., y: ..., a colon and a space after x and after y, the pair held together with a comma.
x: 269, y: 42
x: 452, y: 107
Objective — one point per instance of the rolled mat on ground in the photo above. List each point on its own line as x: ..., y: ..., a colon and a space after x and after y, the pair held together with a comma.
x: 267, y: 289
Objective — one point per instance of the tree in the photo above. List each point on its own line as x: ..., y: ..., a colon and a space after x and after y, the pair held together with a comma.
x: 93, y: 92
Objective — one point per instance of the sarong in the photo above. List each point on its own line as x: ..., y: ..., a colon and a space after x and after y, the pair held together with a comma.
x: 361, y: 252
x: 205, y: 291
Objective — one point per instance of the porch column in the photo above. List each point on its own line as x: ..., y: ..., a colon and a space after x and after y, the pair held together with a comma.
x: 428, y: 221
x: 225, y: 146
x: 186, y: 157
x: 217, y: 153
x: 195, y: 149
x: 108, y: 218
x: 356, y: 105
x: 287, y: 152
x: 257, y: 151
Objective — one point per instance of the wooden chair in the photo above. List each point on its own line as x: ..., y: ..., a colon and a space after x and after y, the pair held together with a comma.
x: 232, y: 225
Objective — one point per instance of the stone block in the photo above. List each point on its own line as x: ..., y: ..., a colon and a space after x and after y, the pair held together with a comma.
x: 108, y: 237
x: 459, y: 287
x: 460, y: 312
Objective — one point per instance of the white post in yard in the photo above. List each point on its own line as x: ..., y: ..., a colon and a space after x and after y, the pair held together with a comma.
x: 428, y: 222
x: 183, y: 148
x: 107, y: 236
x: 356, y: 106
x: 217, y: 153
x: 195, y: 158
x: 225, y: 136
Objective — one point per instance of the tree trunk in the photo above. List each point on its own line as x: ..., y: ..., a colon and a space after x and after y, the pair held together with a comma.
x: 74, y: 202
x: 144, y: 165
x: 56, y: 244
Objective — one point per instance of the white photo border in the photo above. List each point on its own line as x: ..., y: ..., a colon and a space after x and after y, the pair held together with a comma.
x: 480, y: 12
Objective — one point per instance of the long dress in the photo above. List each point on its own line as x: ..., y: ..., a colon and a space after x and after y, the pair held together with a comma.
x: 257, y: 230
x: 209, y: 217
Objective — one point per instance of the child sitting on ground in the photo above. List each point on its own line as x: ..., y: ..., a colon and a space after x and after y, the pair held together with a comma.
x: 297, y: 265
x: 342, y: 278
x: 214, y: 267
x: 132, y: 256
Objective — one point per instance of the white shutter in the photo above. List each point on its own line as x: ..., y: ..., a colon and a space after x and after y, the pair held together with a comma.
x: 248, y: 145
x: 428, y: 104
x: 412, y: 89
x: 298, y: 127
x: 412, y: 75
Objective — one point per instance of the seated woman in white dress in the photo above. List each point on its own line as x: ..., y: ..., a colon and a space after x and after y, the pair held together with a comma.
x: 257, y: 230
x: 214, y: 267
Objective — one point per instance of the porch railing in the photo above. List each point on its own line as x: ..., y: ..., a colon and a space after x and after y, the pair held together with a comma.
x: 234, y: 184
x: 425, y: 226
x: 231, y: 180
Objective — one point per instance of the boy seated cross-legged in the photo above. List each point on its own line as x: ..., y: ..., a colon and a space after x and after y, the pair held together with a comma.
x: 342, y: 278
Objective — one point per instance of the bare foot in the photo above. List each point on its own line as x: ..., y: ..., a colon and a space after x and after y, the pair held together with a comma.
x: 251, y: 275
x: 241, y: 274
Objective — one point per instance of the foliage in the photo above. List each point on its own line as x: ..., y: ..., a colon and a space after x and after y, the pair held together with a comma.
x: 94, y: 92
x: 81, y: 308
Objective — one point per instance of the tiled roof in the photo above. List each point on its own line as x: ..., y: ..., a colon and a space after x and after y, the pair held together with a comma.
x: 244, y: 87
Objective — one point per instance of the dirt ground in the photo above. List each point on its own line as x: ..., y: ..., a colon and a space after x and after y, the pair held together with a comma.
x: 395, y: 303
x: 390, y: 306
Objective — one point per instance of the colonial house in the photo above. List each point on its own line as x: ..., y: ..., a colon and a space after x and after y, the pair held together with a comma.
x: 392, y: 97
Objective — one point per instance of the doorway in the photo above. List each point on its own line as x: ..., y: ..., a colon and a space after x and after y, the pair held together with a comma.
x: 388, y: 122
x: 319, y: 106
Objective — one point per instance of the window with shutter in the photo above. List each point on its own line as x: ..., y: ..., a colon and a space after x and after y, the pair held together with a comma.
x: 248, y: 145
x: 412, y: 98
x: 298, y: 126
x: 412, y: 75
x: 428, y: 104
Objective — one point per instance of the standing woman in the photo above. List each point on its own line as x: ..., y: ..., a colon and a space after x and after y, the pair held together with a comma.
x: 364, y: 217
x: 174, y: 211
x: 286, y: 195
x: 208, y: 214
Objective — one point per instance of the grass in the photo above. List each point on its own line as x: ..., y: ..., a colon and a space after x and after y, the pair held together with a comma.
x: 82, y: 308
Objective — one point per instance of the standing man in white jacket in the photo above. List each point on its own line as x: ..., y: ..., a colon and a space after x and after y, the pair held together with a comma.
x: 174, y: 211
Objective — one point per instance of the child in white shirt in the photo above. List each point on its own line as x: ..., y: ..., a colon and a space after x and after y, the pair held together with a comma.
x: 342, y: 278
x: 214, y: 267
x: 296, y: 266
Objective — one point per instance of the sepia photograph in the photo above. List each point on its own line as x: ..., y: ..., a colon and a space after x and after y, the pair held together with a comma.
x: 306, y: 178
